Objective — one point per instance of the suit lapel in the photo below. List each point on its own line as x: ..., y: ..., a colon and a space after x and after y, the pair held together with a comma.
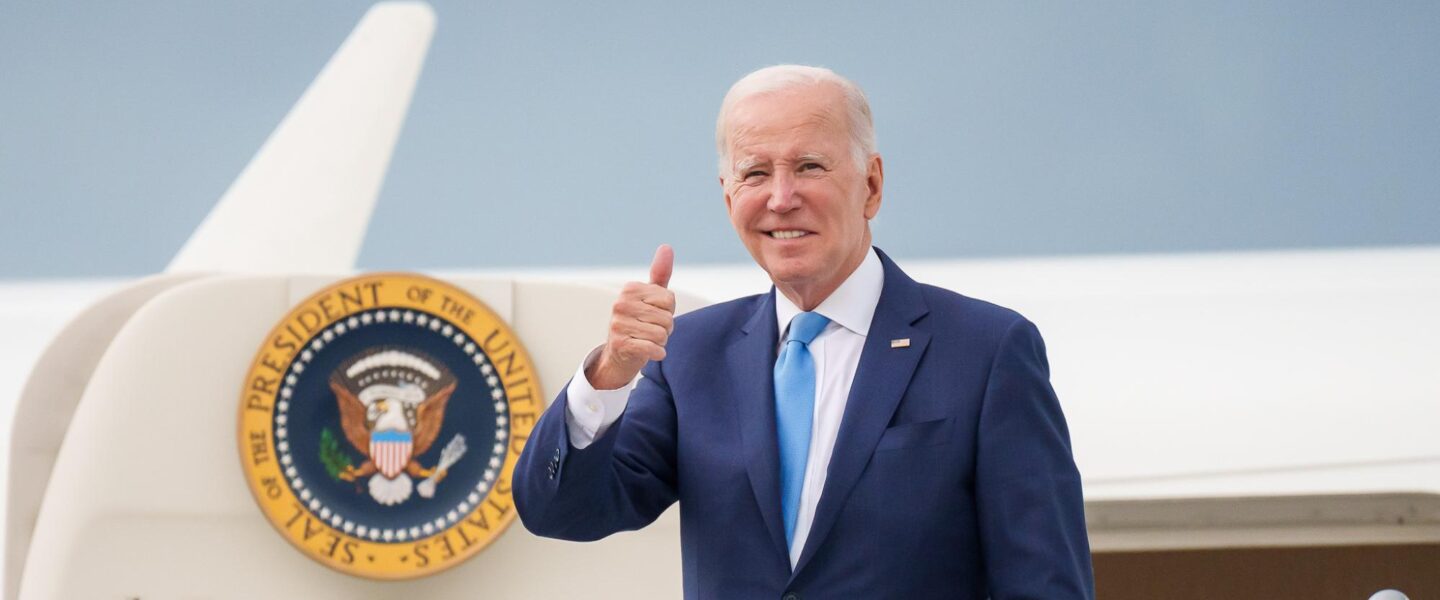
x: 880, y: 380
x: 751, y: 360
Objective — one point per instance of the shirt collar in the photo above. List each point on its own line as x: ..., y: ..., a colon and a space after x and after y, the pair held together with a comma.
x: 852, y: 305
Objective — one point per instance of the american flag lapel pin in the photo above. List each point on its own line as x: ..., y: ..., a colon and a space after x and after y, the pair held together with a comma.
x: 900, y: 343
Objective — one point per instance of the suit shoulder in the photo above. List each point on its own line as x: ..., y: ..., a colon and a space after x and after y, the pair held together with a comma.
x: 970, y: 317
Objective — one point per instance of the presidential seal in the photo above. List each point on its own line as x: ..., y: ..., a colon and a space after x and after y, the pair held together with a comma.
x: 380, y: 422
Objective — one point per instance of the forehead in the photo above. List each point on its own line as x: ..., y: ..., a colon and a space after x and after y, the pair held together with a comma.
x: 795, y: 119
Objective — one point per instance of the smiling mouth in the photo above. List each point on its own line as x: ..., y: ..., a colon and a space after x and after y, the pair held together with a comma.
x: 788, y: 234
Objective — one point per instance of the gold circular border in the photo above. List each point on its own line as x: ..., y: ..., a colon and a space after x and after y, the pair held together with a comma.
x: 265, y: 476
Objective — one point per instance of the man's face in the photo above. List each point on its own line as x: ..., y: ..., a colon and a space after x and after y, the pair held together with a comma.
x: 796, y: 197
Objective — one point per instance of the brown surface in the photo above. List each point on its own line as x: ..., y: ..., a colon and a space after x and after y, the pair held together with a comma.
x: 1341, y: 573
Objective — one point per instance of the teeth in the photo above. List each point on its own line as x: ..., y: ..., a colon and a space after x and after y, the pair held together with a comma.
x: 786, y: 235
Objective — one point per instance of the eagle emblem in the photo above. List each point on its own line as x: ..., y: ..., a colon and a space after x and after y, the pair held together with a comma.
x: 392, y: 408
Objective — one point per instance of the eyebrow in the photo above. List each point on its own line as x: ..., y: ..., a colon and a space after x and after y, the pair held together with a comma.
x: 750, y: 162
x: 745, y: 164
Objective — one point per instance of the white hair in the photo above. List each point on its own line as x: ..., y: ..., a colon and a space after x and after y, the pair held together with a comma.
x: 785, y: 77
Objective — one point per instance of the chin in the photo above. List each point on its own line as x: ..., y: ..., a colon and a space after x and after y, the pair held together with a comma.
x: 783, y: 271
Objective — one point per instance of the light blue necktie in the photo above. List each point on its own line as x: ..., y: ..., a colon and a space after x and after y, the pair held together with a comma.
x: 794, y: 409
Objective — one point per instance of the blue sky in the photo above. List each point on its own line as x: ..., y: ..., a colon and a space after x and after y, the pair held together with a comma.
x: 556, y: 133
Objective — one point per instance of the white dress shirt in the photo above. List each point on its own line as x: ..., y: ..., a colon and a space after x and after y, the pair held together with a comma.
x: 850, y: 308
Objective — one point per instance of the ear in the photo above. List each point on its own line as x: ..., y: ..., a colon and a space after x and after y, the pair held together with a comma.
x: 875, y: 183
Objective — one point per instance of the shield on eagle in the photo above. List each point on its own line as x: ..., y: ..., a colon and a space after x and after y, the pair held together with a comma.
x: 391, y: 451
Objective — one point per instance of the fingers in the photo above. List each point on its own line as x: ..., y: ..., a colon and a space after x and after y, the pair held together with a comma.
x: 662, y: 265
x: 647, y: 293
x: 639, y: 330
x: 642, y: 350
x: 632, y: 343
x: 628, y: 311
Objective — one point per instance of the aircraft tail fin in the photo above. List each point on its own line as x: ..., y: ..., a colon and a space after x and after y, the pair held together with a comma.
x: 305, y: 199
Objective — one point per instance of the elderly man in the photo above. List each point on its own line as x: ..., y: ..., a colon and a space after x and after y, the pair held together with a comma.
x: 849, y: 434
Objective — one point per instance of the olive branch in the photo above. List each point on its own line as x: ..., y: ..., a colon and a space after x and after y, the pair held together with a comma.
x: 335, y: 459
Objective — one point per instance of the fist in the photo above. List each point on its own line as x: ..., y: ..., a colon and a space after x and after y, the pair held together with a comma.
x: 640, y: 324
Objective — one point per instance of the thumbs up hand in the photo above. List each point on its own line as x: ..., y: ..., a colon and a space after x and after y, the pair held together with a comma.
x: 640, y: 324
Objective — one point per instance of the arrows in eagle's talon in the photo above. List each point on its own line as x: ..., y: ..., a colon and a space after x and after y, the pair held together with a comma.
x: 448, y: 457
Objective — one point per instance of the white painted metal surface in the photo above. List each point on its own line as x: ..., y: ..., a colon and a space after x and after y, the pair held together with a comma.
x: 43, y: 410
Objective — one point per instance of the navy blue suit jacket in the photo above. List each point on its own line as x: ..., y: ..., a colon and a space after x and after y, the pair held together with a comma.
x: 951, y: 477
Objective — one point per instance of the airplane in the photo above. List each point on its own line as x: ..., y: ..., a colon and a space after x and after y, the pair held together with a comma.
x: 1244, y: 421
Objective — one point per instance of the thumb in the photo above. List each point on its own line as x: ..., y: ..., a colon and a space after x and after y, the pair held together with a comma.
x: 662, y: 265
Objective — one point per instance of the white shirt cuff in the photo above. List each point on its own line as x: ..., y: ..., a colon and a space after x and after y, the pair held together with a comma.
x: 590, y: 412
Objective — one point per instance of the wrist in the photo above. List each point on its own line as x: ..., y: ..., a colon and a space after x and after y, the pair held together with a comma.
x: 602, y: 376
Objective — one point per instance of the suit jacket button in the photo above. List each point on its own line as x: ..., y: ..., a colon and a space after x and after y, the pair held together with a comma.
x: 790, y: 596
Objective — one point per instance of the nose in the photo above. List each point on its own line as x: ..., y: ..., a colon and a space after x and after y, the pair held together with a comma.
x: 782, y: 193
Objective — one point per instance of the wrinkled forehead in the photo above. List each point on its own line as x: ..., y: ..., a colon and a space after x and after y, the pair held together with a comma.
x: 765, y: 137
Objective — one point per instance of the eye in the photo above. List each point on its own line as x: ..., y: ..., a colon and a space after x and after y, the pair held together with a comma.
x: 754, y: 174
x: 811, y: 166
